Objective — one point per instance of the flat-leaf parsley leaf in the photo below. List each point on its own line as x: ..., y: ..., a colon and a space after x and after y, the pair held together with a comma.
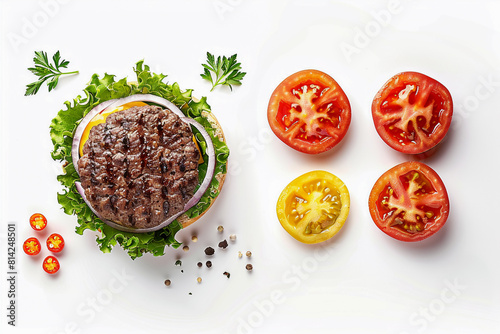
x: 44, y: 70
x: 223, y: 71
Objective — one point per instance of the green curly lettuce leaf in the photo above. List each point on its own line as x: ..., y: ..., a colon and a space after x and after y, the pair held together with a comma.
x: 62, y: 129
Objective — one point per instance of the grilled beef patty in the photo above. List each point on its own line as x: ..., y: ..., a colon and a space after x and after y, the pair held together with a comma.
x: 140, y: 167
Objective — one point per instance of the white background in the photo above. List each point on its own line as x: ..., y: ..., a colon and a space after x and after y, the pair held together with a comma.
x: 361, y: 281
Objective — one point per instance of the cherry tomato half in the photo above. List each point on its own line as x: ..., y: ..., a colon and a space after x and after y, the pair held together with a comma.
x: 32, y: 246
x: 409, y: 202
x: 309, y: 112
x: 412, y: 112
x: 55, y: 243
x: 51, y: 265
x: 313, y: 207
x: 38, y: 221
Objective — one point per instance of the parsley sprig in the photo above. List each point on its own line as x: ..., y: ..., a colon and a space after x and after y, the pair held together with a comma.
x: 223, y: 71
x: 44, y: 70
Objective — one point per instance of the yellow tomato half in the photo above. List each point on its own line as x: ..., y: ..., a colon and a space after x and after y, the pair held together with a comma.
x: 313, y: 207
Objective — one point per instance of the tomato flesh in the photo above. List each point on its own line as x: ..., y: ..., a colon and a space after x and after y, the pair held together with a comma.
x: 38, y: 221
x: 409, y: 202
x: 412, y: 112
x: 309, y: 112
x: 313, y: 207
x: 32, y: 246
x: 51, y: 265
x: 55, y: 243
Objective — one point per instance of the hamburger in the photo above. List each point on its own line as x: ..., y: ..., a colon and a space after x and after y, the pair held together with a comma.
x: 142, y: 160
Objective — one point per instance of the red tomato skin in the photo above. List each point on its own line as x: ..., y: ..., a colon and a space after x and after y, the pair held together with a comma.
x: 442, y: 117
x: 295, y: 80
x: 399, y: 170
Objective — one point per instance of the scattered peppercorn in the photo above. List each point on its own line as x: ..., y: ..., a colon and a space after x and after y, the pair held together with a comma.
x: 220, y: 228
x: 190, y: 293
x: 211, y: 251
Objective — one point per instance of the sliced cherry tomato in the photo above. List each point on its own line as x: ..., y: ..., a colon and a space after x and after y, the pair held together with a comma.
x: 51, y: 265
x: 412, y: 112
x: 55, y: 243
x: 38, y: 221
x: 32, y: 246
x: 313, y: 207
x: 409, y: 202
x: 309, y: 112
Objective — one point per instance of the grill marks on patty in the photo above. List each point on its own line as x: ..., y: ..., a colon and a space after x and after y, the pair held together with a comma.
x: 140, y: 167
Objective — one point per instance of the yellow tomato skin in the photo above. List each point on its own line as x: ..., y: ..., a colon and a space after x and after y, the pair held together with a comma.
x: 313, y: 207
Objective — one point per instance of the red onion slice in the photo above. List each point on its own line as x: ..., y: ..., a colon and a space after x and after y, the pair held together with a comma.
x: 112, y: 104
x: 146, y: 98
x: 77, y: 136
x: 211, y: 163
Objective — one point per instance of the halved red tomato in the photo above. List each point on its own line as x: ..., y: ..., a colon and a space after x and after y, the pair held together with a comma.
x: 55, y: 243
x: 51, y: 265
x: 409, y: 202
x: 412, y: 112
x: 309, y: 112
x: 38, y: 221
x: 32, y: 246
